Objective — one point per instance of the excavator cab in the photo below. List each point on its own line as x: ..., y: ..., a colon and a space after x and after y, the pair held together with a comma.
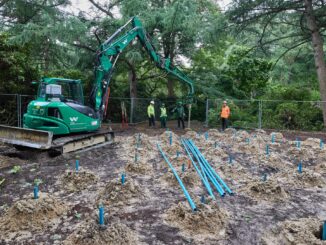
x: 64, y: 90
x: 59, y: 108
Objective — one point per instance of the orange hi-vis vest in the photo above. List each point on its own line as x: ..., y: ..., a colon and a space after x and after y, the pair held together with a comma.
x: 225, y: 113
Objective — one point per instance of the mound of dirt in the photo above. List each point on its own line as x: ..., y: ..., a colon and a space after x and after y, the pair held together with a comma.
x: 213, y: 154
x: 265, y: 190
x: 302, y: 231
x: 190, y: 134
x: 73, y: 181
x: 306, y: 179
x: 311, y: 142
x: 242, y: 134
x: 189, y: 178
x: 139, y: 167
x: 233, y: 174
x: 247, y: 148
x: 208, y: 222
x: 9, y: 161
x: 115, y: 193
x: 32, y: 215
x: 142, y: 140
x: 278, y: 137
x: 230, y: 131
x: 321, y: 168
x: 165, y: 142
x: 89, y: 233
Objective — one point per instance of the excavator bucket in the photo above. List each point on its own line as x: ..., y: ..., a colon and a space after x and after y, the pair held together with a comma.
x: 26, y: 137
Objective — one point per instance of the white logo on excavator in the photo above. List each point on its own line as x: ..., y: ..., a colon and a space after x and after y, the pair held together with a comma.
x: 73, y: 119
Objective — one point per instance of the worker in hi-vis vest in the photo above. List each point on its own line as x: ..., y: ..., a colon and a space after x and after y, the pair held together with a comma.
x: 225, y: 113
x: 151, y: 114
x: 163, y: 116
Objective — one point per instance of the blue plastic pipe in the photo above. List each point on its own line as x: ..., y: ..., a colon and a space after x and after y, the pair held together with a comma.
x: 300, y: 167
x: 202, y: 199
x: 230, y: 159
x: 213, y: 171
x: 183, y: 168
x: 207, y: 172
x: 323, y: 235
x: 77, y: 166
x: 101, y: 215
x: 190, y: 201
x: 206, y: 183
x: 170, y: 138
x: 267, y: 150
x: 35, y: 192
x: 122, y: 178
x: 198, y: 160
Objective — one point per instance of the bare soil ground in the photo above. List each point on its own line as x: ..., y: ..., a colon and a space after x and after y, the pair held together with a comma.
x: 272, y: 202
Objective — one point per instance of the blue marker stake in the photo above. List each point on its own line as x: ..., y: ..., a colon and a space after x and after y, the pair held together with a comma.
x: 101, y: 215
x: 202, y: 199
x: 230, y: 159
x: 215, y: 144
x: 267, y: 150
x: 122, y: 178
x: 323, y: 236
x: 206, y: 135
x: 171, y: 138
x: 183, y: 168
x: 35, y: 192
x: 264, y: 178
x: 77, y: 166
x: 136, y: 157
x: 298, y: 143
x: 273, y: 138
x: 300, y: 167
x: 321, y: 144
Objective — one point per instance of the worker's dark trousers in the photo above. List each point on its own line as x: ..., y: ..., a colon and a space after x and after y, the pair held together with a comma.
x: 151, y: 121
x: 224, y: 123
x: 163, y: 122
x: 180, y: 119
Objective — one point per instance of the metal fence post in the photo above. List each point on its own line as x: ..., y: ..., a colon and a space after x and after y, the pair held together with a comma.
x: 206, y: 113
x: 19, y: 111
x: 260, y: 113
x: 131, y: 109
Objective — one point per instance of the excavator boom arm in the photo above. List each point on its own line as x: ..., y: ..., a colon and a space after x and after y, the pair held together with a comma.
x: 109, y: 52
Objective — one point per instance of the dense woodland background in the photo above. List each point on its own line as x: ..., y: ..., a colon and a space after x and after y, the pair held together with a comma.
x: 251, y: 50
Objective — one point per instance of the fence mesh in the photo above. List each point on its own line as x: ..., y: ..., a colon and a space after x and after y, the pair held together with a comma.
x: 265, y: 114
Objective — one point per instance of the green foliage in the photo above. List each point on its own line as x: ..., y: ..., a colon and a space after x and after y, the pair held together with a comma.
x: 16, y: 169
x: 37, y: 182
x: 17, y: 68
x: 2, y: 181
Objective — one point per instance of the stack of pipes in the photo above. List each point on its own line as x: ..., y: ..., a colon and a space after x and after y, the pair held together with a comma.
x: 205, y: 171
x: 190, y: 201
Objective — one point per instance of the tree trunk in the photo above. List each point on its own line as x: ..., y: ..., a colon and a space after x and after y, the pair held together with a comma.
x: 132, y: 77
x: 317, y: 44
x: 171, y: 89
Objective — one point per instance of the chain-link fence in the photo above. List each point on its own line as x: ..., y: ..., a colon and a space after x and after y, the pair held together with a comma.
x: 268, y: 114
x: 265, y: 114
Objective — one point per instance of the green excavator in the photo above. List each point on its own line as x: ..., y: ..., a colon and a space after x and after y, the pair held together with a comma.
x: 59, y: 120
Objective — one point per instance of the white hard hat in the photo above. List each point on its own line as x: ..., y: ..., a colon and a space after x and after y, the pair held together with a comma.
x: 224, y: 102
x: 152, y: 102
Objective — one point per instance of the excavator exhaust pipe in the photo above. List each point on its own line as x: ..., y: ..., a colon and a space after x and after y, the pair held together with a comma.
x: 26, y: 137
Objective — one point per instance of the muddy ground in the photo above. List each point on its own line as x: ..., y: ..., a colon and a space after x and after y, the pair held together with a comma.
x: 272, y: 203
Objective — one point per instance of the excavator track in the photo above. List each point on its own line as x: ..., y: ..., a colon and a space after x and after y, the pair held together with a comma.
x: 23, y: 138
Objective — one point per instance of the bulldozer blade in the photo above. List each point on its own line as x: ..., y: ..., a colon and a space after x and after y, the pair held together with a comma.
x: 26, y: 137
